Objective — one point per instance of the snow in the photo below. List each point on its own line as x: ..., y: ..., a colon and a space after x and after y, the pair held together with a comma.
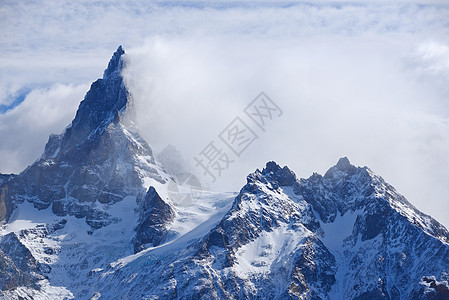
x: 333, y: 238
x: 196, y: 220
x: 259, y: 257
x: 336, y: 232
x: 72, y: 244
x: 192, y: 222
x: 273, y: 249
x: 25, y: 216
x: 46, y: 292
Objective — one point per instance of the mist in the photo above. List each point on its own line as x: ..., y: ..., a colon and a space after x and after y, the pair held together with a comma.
x: 340, y: 97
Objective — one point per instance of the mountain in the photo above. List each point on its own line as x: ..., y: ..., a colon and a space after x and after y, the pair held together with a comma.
x: 344, y: 235
x: 98, y: 162
x: 96, y: 218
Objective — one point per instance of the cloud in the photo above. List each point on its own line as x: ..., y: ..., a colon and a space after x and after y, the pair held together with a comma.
x: 364, y: 79
x: 71, y: 41
x: 341, y: 96
x: 24, y: 130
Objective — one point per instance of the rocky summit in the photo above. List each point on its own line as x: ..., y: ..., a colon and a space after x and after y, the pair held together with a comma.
x: 93, y: 219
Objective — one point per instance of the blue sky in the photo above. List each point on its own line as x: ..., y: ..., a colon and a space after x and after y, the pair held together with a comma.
x: 363, y: 79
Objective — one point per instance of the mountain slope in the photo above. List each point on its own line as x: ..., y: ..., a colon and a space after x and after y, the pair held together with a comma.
x: 345, y: 235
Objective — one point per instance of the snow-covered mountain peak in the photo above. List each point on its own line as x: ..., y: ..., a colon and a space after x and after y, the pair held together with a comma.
x: 344, y: 188
x: 104, y: 103
x: 115, y: 64
x: 274, y: 175
x: 342, y: 169
x: 283, y: 176
x: 100, y: 159
x: 348, y: 188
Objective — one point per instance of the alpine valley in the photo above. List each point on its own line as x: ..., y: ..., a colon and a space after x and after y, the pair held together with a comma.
x: 94, y: 218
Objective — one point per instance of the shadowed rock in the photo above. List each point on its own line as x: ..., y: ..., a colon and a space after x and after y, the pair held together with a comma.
x: 155, y: 216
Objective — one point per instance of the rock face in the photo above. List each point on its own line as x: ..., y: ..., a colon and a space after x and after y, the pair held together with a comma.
x: 155, y: 215
x: 21, y: 268
x: 6, y: 206
x: 16, y: 264
x: 11, y: 276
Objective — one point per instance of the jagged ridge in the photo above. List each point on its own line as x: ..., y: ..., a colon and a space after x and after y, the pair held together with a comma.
x: 344, y: 235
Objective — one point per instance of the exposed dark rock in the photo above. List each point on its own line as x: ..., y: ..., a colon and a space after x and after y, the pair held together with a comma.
x: 283, y: 176
x: 383, y: 254
x: 6, y: 203
x: 18, y: 266
x: 6, y: 177
x: 155, y: 216
x: 11, y: 276
x: 342, y: 168
x: 20, y: 254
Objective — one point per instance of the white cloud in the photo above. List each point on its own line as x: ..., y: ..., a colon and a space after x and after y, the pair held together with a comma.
x: 71, y: 40
x: 25, y: 129
x: 356, y: 78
